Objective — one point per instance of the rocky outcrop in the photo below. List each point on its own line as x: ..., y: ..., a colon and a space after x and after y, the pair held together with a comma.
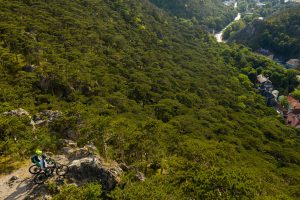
x: 87, y: 166
x: 17, y: 112
x: 45, y: 117
x: 20, y: 112
x: 94, y: 169
x: 40, y: 119
x: 52, y: 83
x: 73, y: 152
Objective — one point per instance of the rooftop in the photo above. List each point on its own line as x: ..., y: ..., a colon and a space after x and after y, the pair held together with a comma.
x: 261, y: 78
x: 295, y: 63
x: 294, y: 103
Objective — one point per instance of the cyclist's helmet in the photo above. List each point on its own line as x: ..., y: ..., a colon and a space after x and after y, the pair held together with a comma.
x: 39, y: 152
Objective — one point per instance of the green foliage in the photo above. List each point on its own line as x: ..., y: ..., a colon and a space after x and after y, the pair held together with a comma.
x: 249, y: 64
x: 18, y: 139
x: 52, y: 188
x: 168, y: 96
x: 211, y: 13
x: 296, y: 94
x: 233, y: 29
x: 90, y: 191
x: 279, y: 33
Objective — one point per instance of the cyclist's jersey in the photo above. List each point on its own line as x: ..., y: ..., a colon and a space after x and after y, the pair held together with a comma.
x: 38, y: 159
x: 35, y: 159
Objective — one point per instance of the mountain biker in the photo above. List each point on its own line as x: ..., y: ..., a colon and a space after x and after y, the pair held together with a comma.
x: 39, y: 159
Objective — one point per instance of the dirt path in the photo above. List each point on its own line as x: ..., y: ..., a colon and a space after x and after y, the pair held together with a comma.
x: 19, y: 184
x: 16, y: 185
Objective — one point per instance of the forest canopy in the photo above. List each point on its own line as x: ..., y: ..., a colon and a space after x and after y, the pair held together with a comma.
x: 145, y: 88
x: 279, y: 33
x: 211, y: 13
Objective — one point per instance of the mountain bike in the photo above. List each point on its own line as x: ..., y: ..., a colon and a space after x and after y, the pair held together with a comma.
x: 42, y: 175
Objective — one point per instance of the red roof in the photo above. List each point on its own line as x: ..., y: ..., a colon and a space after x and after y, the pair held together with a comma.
x: 293, y: 102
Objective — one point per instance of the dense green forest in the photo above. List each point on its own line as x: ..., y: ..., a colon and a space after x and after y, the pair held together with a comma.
x: 269, y: 7
x: 147, y: 89
x: 280, y: 33
x: 211, y: 13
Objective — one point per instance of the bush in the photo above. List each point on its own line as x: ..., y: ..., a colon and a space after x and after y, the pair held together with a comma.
x: 90, y: 191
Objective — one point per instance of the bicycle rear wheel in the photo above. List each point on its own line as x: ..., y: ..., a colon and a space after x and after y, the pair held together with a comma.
x: 40, y: 178
x: 34, y: 169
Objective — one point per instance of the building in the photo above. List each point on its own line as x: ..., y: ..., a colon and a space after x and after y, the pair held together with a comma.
x: 293, y: 120
x: 265, y: 52
x: 262, y: 79
x: 265, y: 88
x: 259, y: 4
x: 293, y: 116
x: 229, y: 2
x: 264, y: 83
x: 293, y: 64
x: 294, y: 105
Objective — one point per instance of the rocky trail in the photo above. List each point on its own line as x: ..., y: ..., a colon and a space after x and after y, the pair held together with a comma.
x: 19, y: 184
x: 84, y: 166
x: 16, y: 185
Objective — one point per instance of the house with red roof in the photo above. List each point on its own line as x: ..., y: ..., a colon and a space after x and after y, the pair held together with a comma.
x: 293, y: 116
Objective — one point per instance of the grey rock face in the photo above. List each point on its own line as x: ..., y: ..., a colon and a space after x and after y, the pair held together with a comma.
x: 46, y: 116
x: 87, y: 166
x: 40, y: 119
x: 94, y: 169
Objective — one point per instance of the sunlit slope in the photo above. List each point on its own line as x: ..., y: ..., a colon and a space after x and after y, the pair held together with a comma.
x: 149, y: 90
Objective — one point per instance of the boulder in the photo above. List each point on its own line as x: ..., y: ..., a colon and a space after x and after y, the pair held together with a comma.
x: 45, y: 117
x: 82, y: 153
x: 73, y: 152
x: 77, y: 153
x: 94, y: 169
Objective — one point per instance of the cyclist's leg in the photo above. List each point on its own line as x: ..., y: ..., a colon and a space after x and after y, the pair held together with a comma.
x: 46, y: 164
x: 37, y: 164
x: 42, y: 164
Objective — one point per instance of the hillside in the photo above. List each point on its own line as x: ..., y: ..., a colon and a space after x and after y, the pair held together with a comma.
x: 280, y: 33
x: 213, y: 13
x: 153, y: 92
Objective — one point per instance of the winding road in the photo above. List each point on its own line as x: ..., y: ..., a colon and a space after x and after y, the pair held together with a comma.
x: 219, y: 36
